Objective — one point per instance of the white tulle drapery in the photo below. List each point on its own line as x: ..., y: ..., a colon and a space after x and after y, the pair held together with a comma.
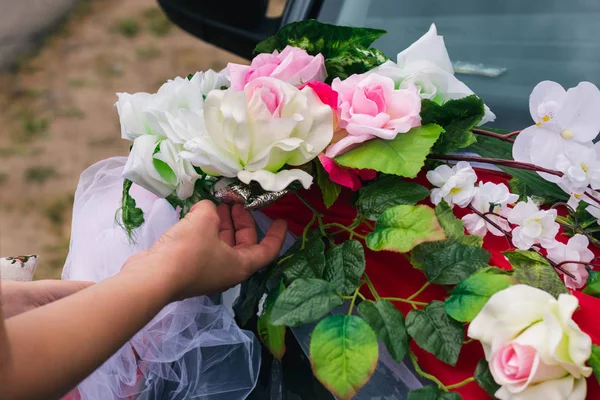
x: 192, y: 349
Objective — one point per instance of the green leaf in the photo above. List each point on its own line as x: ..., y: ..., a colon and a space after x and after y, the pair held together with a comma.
x: 304, y: 301
x: 453, y: 226
x: 432, y: 393
x: 592, y: 287
x: 484, y: 378
x: 404, y: 156
x: 307, y: 263
x: 455, y: 262
x: 388, y: 324
x: 419, y: 254
x: 272, y: 336
x: 345, y: 266
x: 132, y: 217
x: 471, y: 294
x: 346, y: 49
x: 532, y: 269
x: 457, y: 117
x: 472, y: 240
x: 594, y: 361
x: 401, y: 228
x: 343, y: 353
x: 490, y: 147
x: 246, y: 304
x: 331, y: 190
x: 435, y: 332
x: 386, y: 192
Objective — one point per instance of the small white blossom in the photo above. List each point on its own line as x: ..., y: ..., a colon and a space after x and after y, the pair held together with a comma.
x: 534, y: 226
x: 455, y: 185
x: 490, y: 197
x: 576, y: 249
x: 581, y: 169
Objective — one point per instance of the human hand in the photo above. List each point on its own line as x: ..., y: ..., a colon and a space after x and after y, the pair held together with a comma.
x: 211, y: 249
x: 19, y: 297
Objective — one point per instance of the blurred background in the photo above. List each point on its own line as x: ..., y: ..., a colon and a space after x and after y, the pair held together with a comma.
x: 61, y: 62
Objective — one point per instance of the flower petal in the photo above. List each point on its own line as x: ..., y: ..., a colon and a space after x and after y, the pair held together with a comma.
x: 275, y: 182
x: 579, y: 112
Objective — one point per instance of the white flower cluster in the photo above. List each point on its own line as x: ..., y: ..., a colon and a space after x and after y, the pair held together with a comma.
x: 562, y: 139
x: 495, y: 207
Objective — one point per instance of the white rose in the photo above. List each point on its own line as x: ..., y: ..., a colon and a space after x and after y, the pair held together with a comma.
x: 427, y: 65
x: 455, y: 185
x: 534, y: 348
x: 252, y: 134
x: 146, y: 114
x: 155, y: 165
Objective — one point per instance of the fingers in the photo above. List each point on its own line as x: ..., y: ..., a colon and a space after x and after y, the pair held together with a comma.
x: 245, y: 228
x: 203, y: 216
x: 47, y: 291
x: 259, y: 255
x: 226, y: 230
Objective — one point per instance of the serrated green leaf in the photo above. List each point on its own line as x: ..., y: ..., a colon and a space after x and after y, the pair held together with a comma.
x: 304, y: 301
x: 386, y: 192
x: 594, y: 361
x: 532, y: 269
x: 455, y: 262
x: 401, y: 228
x: 272, y: 336
x: 388, y: 324
x: 494, y: 148
x: 343, y: 353
x: 453, y: 226
x: 435, y: 332
x: 345, y: 266
x: 419, y: 254
x: 404, y: 156
x: 592, y: 287
x: 308, y: 262
x: 472, y: 240
x: 346, y: 49
x: 457, y: 117
x: 471, y: 294
x: 432, y: 393
x: 484, y: 378
x: 331, y: 190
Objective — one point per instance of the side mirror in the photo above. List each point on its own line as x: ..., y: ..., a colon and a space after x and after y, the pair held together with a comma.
x: 234, y: 25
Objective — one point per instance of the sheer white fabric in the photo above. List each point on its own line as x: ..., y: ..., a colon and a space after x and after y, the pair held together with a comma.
x: 192, y: 349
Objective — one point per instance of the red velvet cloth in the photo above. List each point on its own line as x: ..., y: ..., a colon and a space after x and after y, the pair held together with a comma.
x: 393, y: 276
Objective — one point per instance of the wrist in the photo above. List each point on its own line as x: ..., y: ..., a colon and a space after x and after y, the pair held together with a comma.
x: 156, y: 276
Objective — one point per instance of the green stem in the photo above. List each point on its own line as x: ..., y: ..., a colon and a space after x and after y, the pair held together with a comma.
x: 418, y: 292
x: 424, y: 374
x: 371, y: 287
x: 461, y: 384
x: 353, y: 301
x: 345, y: 228
x: 401, y: 300
x: 284, y: 259
x: 306, y: 229
x: 361, y: 296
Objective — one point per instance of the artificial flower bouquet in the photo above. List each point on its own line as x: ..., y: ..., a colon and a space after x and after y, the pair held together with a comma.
x: 392, y: 141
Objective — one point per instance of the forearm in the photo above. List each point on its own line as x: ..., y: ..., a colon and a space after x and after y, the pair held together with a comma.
x: 54, y: 347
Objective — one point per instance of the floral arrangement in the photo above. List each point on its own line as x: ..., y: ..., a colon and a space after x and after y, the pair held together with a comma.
x: 319, y: 106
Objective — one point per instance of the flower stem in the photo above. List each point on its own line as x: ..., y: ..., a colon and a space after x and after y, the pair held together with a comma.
x: 461, y: 384
x: 424, y: 374
x: 371, y: 287
x: 344, y: 228
x: 306, y: 229
x: 353, y: 301
x: 489, y: 221
x: 495, y: 161
x: 500, y: 136
x: 401, y: 300
x: 418, y: 292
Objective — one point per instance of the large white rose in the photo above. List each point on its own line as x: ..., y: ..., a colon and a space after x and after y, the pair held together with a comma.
x: 534, y: 348
x: 252, y: 134
x: 146, y: 114
x: 426, y: 64
x: 155, y: 165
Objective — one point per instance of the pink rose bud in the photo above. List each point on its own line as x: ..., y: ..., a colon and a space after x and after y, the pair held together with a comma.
x: 292, y: 65
x: 348, y: 177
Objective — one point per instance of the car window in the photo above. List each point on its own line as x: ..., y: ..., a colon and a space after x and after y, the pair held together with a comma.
x: 501, y: 49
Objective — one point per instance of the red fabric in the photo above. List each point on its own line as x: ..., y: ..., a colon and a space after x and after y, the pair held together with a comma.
x: 393, y: 276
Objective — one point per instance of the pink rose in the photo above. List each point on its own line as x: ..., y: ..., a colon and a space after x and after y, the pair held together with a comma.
x: 292, y: 65
x: 348, y: 177
x: 371, y: 107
